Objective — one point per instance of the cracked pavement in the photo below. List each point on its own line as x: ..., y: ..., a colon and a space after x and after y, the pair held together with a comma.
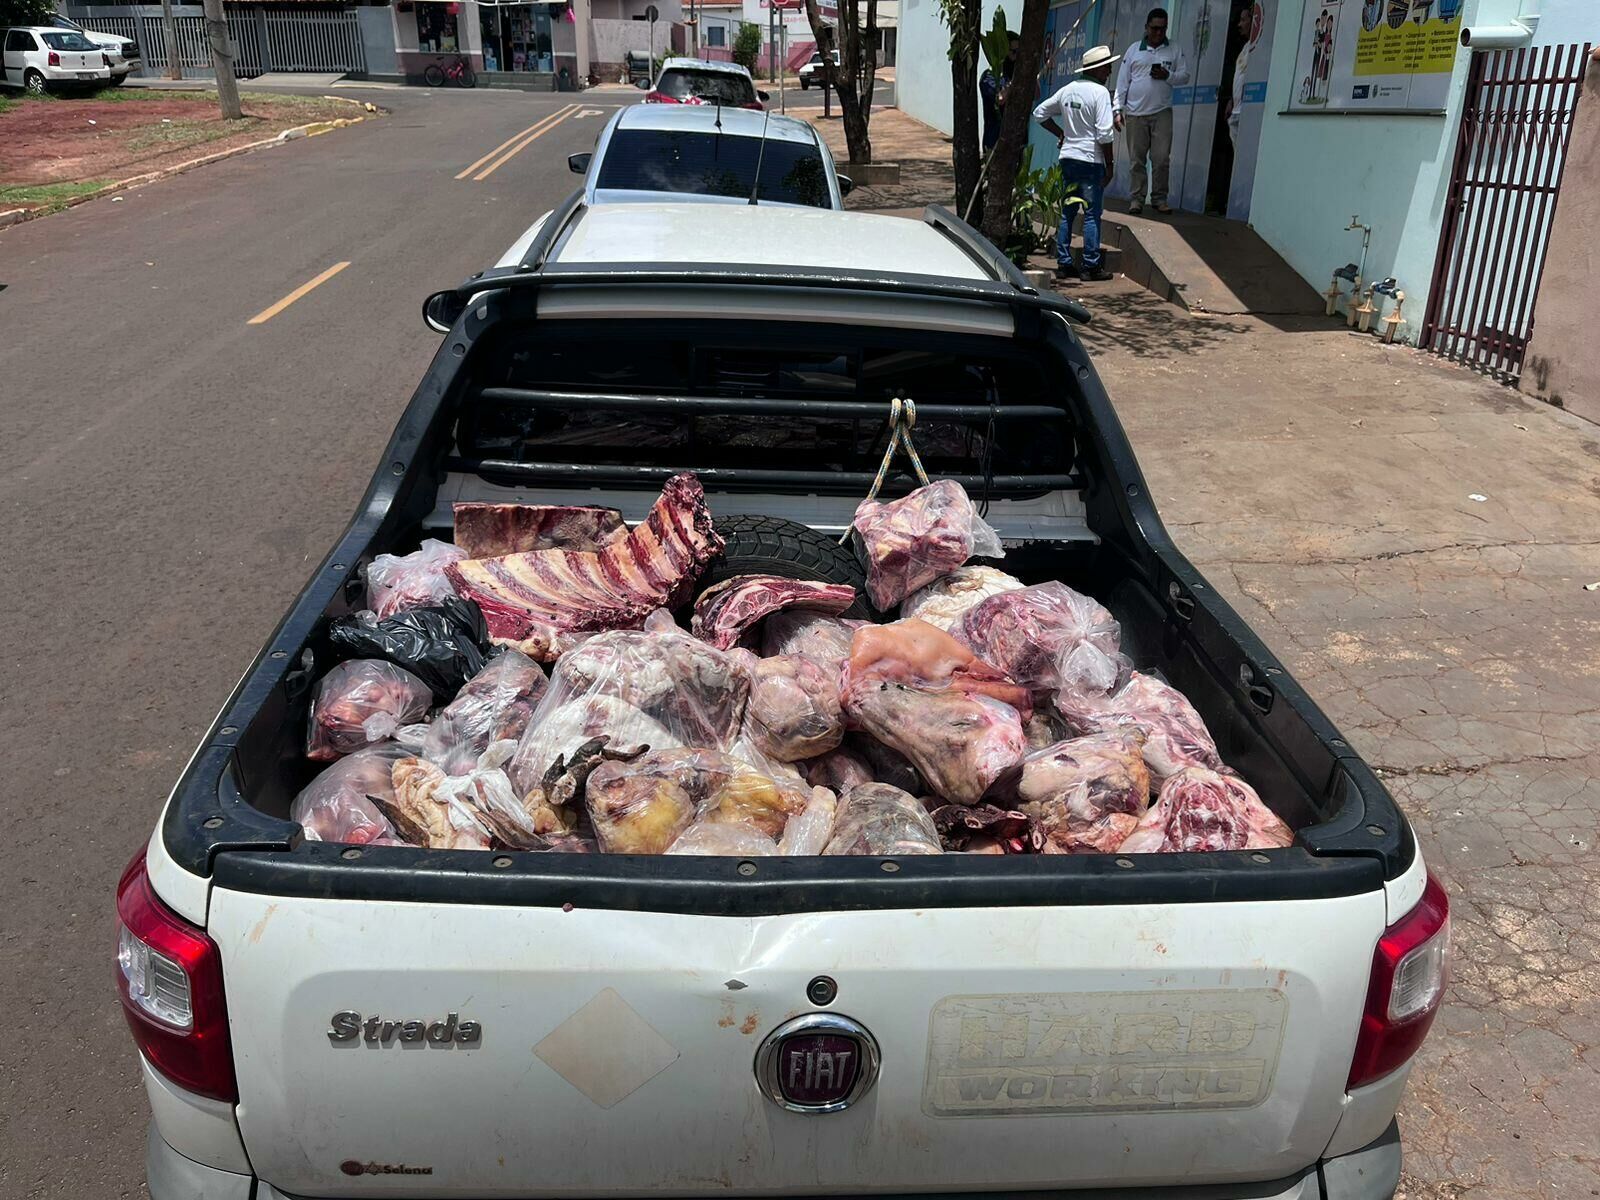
x: 1326, y: 485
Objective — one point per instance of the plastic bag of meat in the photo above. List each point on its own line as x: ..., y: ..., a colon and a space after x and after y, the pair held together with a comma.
x: 885, y: 764
x: 725, y: 610
x: 906, y: 544
x: 396, y: 582
x: 840, y: 770
x: 736, y: 841
x: 985, y: 829
x: 821, y: 638
x: 947, y: 599
x: 881, y: 820
x: 1200, y: 809
x: 1175, y: 736
x: 926, y: 695
x: 490, y: 530
x: 361, y: 702
x: 626, y: 691
x: 1046, y: 726
x: 1048, y: 638
x: 793, y: 712
x: 425, y: 813
x: 337, y: 805
x: 443, y: 644
x: 495, y: 704
x: 1083, y: 795
x: 809, y: 830
x: 642, y: 806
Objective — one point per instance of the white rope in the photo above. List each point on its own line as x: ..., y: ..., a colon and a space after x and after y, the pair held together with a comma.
x: 902, y: 420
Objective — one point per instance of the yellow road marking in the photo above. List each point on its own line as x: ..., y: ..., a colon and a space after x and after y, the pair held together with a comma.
x: 514, y: 137
x: 266, y: 314
x: 522, y: 145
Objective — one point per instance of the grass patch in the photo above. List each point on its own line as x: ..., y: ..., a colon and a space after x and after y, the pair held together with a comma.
x: 172, y: 135
x: 7, y: 103
x: 53, y: 196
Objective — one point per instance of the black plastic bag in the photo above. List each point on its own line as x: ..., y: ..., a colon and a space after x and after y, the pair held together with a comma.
x: 443, y: 644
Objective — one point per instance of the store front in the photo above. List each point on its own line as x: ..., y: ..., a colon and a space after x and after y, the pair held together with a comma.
x: 518, y: 38
x: 431, y: 32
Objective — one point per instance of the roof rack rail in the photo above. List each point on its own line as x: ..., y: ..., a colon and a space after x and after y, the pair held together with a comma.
x: 538, y: 252
x: 983, y: 252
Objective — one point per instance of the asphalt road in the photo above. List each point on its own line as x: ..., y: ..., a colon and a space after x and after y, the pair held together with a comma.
x: 170, y: 474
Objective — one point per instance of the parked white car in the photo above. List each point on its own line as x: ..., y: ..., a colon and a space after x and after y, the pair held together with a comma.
x: 124, y: 54
x: 40, y: 58
x: 708, y: 153
x: 809, y: 72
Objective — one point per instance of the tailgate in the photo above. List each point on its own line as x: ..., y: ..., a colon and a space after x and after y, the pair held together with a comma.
x: 613, y: 1052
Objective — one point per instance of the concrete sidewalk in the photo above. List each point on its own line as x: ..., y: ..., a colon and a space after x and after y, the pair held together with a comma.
x: 1415, y: 541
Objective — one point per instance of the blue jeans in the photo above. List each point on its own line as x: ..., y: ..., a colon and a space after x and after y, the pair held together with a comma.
x: 1090, y: 178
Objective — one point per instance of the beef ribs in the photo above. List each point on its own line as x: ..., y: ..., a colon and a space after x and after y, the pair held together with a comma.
x: 906, y: 544
x: 726, y: 610
x: 491, y: 530
x: 947, y: 599
x: 536, y: 599
x: 926, y: 695
x: 1201, y: 809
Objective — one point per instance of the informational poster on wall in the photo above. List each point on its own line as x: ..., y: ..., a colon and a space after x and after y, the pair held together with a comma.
x: 1376, y: 55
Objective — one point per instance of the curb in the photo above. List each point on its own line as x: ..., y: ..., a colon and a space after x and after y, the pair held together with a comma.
x: 17, y: 216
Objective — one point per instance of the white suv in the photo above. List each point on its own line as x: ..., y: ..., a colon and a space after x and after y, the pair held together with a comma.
x: 42, y: 58
x: 123, y: 53
x: 808, y: 72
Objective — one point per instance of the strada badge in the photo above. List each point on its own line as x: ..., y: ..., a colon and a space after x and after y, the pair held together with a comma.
x: 376, y: 1031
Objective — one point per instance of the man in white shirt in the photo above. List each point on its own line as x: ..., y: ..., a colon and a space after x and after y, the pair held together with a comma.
x: 1080, y: 116
x: 1143, y: 106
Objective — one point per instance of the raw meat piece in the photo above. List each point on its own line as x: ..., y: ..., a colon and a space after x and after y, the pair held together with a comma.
x: 1046, y: 727
x: 642, y: 806
x: 754, y: 800
x: 926, y: 695
x: 875, y: 818
x: 946, y: 600
x: 737, y: 841
x: 915, y: 653
x: 426, y: 815
x: 1201, y: 809
x: 337, y: 805
x: 726, y: 610
x: 840, y: 770
x: 908, y: 543
x: 361, y: 702
x: 811, y: 635
x: 580, y: 730
x: 494, y: 705
x: 1048, y: 638
x: 1175, y: 736
x: 793, y: 712
x: 885, y: 765
x: 396, y: 582
x: 808, y: 832
x: 1085, y: 794
x: 994, y: 830
x: 490, y: 530
x: 443, y: 644
x: 532, y: 599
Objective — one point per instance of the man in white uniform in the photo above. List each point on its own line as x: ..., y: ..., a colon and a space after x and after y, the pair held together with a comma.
x: 1080, y: 116
x: 1144, y: 107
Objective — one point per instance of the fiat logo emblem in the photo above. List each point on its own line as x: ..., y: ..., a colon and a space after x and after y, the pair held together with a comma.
x: 818, y: 1063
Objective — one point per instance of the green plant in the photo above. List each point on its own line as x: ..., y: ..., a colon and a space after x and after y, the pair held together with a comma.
x: 996, y: 43
x: 1037, y: 202
x: 25, y: 12
x: 747, y: 45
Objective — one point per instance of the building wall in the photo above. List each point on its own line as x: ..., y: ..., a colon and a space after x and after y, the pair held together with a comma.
x: 1314, y: 171
x: 922, y: 76
x: 1563, y: 360
x: 612, y: 39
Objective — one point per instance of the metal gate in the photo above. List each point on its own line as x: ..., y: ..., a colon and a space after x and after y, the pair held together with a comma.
x: 1516, y: 122
x: 313, y: 40
x: 265, y: 39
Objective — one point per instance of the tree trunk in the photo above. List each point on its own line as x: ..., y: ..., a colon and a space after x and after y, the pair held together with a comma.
x: 1018, y: 112
x: 169, y: 35
x: 222, y: 60
x: 853, y: 89
x: 966, y: 155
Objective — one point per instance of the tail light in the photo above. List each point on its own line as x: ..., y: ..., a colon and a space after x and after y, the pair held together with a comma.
x: 1408, y: 978
x: 54, y: 60
x: 169, y: 975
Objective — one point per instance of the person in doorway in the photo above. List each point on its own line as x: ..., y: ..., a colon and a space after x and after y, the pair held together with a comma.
x: 1245, y: 24
x: 992, y: 89
x: 1080, y: 116
x: 1143, y: 106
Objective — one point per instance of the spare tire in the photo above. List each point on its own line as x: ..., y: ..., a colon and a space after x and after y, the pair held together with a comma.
x: 759, y: 545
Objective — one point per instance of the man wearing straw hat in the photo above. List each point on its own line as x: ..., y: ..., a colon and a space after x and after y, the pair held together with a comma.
x: 1079, y: 115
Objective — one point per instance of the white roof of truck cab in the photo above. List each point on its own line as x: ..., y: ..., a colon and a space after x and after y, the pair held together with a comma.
x: 763, y: 235
x: 704, y: 118
x: 701, y: 64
